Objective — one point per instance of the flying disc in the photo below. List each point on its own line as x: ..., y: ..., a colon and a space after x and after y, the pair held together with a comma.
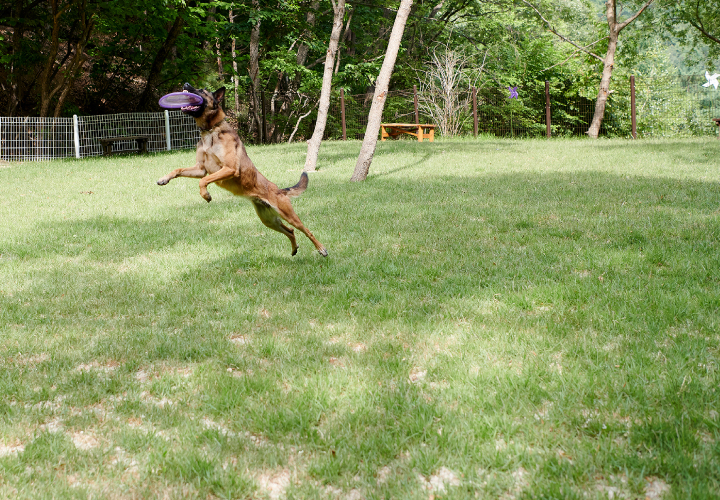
x: 177, y: 100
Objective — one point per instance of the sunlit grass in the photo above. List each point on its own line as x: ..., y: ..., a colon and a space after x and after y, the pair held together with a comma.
x: 502, y: 319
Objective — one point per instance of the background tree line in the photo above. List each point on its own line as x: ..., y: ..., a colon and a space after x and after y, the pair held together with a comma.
x: 60, y: 57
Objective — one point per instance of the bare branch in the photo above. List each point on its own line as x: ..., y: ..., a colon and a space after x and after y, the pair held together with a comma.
x: 564, y: 38
x: 699, y: 24
x: 574, y: 53
x: 628, y: 21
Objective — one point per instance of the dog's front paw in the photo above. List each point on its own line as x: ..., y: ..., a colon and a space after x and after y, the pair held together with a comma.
x: 163, y: 181
x: 206, y: 196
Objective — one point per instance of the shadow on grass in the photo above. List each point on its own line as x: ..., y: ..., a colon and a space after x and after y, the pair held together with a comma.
x: 517, y: 258
x: 399, y: 251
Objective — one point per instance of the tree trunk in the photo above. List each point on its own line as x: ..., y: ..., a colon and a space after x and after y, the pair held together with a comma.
x: 254, y: 71
x: 316, y: 139
x: 67, y: 73
x: 235, y: 72
x: 157, y: 65
x: 367, y: 151
x: 614, y: 28
x: 594, y: 130
x: 15, y: 78
x: 303, y: 49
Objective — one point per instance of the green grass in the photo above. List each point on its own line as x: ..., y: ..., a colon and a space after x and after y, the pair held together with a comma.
x: 497, y: 319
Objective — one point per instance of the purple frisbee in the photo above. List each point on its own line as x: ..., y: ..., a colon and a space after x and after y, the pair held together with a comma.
x: 177, y: 100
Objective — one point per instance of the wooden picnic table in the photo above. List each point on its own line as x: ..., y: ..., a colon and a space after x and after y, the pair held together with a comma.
x: 394, y: 130
x: 141, y: 140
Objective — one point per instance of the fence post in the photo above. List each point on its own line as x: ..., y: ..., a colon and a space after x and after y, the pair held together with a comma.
x: 167, y: 130
x: 475, y: 116
x: 417, y: 114
x: 633, y: 117
x: 547, y: 110
x: 76, y: 136
x: 264, y: 123
x: 342, y: 113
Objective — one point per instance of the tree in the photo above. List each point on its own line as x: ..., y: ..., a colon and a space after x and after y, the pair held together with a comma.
x: 614, y: 29
x: 367, y: 151
x: 615, y: 26
x: 161, y: 56
x: 58, y: 76
x: 702, y: 15
x: 447, y: 76
x: 316, y: 139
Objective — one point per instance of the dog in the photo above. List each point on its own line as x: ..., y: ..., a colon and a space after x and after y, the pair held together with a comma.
x: 221, y: 159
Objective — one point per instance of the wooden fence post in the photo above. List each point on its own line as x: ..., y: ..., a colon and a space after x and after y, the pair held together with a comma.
x: 547, y: 110
x: 264, y: 123
x: 633, y: 117
x: 417, y: 113
x: 342, y: 113
x: 475, y: 116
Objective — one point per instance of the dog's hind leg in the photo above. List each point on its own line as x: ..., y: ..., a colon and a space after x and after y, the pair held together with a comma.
x: 269, y: 216
x: 287, y: 213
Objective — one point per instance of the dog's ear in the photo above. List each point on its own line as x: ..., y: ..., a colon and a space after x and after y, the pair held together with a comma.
x: 219, y: 94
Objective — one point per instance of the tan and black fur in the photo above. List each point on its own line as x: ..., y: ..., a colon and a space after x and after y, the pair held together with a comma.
x: 221, y: 158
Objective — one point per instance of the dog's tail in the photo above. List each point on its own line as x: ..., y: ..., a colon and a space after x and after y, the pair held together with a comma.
x: 298, y: 188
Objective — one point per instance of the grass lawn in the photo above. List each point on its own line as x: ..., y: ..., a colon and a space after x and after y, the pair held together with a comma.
x: 496, y: 319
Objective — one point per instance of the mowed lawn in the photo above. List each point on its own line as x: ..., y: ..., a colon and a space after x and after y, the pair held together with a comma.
x: 496, y: 319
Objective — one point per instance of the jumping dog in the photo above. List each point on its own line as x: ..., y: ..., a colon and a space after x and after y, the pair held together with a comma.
x: 221, y: 158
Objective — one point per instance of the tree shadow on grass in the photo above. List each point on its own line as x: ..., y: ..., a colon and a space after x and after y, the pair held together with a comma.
x: 562, y: 255
x: 399, y: 251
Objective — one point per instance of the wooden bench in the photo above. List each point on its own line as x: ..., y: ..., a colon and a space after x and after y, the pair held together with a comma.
x: 717, y: 122
x: 141, y: 140
x: 394, y: 130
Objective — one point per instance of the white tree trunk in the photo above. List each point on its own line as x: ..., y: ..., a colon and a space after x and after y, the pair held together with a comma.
x: 316, y: 139
x: 367, y: 151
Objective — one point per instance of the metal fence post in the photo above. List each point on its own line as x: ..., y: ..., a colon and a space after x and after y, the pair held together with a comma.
x: 76, y: 136
x: 167, y: 130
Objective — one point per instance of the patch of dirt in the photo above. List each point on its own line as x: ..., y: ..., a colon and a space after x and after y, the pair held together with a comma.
x: 655, y: 488
x: 440, y: 481
x: 520, y: 482
x: 336, y: 362
x: 84, y: 441
x: 95, y: 366
x: 417, y: 374
x: 53, y: 426
x: 357, y: 346
x: 238, y: 339
x: 11, y: 449
x: 208, y: 423
x: 383, y: 475
x: 160, y: 403
x: 275, y: 483
x: 22, y: 360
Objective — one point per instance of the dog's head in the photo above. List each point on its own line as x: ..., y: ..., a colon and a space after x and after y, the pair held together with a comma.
x: 210, y: 112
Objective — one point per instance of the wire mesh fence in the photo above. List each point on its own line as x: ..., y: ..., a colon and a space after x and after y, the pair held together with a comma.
x: 665, y: 107
x: 35, y: 139
x: 669, y: 107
